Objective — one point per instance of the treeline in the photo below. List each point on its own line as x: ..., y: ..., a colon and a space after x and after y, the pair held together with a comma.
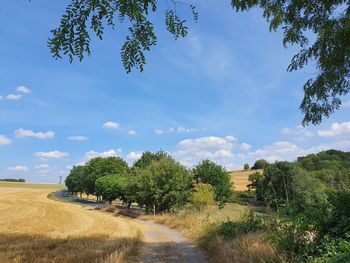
x: 20, y: 180
x: 312, y: 200
x: 155, y: 181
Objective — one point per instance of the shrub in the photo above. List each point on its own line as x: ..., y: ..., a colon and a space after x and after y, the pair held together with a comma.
x: 251, y: 222
x: 203, y: 195
x: 246, y: 166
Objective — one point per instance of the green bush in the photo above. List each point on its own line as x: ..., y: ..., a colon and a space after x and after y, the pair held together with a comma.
x: 202, y: 195
x: 251, y: 222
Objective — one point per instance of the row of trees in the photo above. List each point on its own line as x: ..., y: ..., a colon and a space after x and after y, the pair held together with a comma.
x: 156, y: 180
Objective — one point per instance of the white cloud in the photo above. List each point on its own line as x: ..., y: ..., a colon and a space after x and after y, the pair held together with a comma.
x: 158, y: 131
x: 281, y: 150
x: 111, y: 125
x: 42, y: 166
x: 23, y: 89
x: 182, y: 129
x: 78, y: 138
x: 13, y: 97
x: 299, y: 130
x: 51, y: 155
x: 218, y: 149
x: 18, y: 168
x: 231, y: 138
x: 21, y: 133
x: 109, y: 153
x: 133, y: 156
x: 336, y: 129
x: 211, y: 142
x: 4, y: 140
x: 131, y: 132
x: 245, y: 146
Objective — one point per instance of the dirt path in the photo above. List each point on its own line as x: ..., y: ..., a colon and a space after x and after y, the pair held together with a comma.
x: 29, y: 212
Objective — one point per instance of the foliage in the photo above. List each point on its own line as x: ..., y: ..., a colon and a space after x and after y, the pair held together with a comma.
x: 322, y: 30
x: 259, y: 164
x: 76, y: 179
x: 98, y: 167
x: 110, y: 187
x: 285, y: 184
x: 331, y: 167
x: 251, y: 222
x: 209, y: 172
x: 72, y: 36
x: 246, y: 166
x: 202, y: 195
x: 147, y: 157
x: 19, y: 180
x: 256, y: 180
x: 164, y: 184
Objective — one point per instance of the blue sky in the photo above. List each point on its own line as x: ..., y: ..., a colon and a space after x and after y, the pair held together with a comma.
x: 222, y: 93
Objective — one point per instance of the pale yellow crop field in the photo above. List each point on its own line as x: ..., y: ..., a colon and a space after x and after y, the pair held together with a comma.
x: 240, y: 178
x: 36, y: 229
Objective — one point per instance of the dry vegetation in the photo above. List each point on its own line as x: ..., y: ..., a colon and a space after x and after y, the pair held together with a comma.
x: 200, y: 226
x: 36, y: 229
x: 240, y: 178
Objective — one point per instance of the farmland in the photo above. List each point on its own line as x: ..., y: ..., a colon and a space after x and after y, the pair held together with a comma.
x: 42, y: 230
x: 240, y: 178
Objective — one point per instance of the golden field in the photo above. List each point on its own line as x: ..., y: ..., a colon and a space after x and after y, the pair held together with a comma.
x: 240, y: 178
x: 36, y: 229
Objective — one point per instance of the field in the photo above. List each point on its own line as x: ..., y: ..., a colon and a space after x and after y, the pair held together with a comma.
x: 29, y: 185
x: 240, y: 179
x: 36, y: 229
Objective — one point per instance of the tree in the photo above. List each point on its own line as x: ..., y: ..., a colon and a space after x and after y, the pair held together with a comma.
x: 209, y: 172
x: 246, y: 166
x: 321, y: 29
x: 76, y: 179
x: 164, y: 184
x: 110, y: 187
x: 256, y: 180
x: 259, y: 164
x: 98, y: 167
x: 147, y: 157
x: 72, y: 36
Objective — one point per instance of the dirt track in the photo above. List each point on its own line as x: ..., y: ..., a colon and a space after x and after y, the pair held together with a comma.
x: 29, y: 212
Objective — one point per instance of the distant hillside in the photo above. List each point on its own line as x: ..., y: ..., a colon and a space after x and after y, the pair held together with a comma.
x: 240, y: 178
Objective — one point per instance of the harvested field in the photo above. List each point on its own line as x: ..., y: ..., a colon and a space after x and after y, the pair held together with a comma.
x: 240, y: 178
x: 36, y: 229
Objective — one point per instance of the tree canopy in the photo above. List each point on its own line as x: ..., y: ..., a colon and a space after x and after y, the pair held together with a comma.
x: 320, y: 27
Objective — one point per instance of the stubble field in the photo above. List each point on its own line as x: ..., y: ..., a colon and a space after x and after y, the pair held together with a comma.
x: 36, y: 229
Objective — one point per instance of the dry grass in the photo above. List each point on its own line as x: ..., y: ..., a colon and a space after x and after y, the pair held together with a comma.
x: 240, y: 178
x: 36, y: 229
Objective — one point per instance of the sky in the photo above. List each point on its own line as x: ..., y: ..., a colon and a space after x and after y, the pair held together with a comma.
x: 222, y: 93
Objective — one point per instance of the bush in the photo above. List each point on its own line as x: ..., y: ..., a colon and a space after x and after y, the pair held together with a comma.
x: 251, y: 222
x: 246, y: 166
x: 203, y: 195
